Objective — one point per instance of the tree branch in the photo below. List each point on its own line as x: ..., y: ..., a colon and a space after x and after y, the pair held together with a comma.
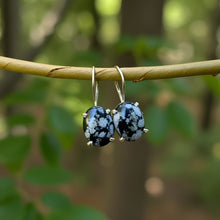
x: 46, y: 29
x: 136, y: 74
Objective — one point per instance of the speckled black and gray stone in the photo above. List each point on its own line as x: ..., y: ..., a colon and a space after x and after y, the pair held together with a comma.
x: 128, y: 121
x: 98, y: 126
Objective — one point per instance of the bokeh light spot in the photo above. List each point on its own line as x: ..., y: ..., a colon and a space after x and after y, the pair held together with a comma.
x: 154, y: 186
x: 108, y: 7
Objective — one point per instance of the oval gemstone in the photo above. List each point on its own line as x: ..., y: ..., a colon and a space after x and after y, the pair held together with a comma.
x: 128, y: 121
x: 98, y: 126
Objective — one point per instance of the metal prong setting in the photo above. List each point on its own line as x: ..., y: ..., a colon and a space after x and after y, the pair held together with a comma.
x: 90, y: 144
x: 145, y: 130
x: 122, y: 139
x: 136, y: 104
x: 111, y: 139
x: 84, y: 115
x: 108, y: 111
x: 114, y: 111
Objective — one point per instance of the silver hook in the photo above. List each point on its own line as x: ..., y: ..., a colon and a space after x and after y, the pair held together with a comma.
x: 95, y: 88
x: 121, y: 92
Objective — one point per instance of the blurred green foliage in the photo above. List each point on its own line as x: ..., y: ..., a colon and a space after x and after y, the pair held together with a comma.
x: 48, y: 111
x: 14, y: 150
x: 45, y: 175
x: 158, y: 123
x: 213, y: 83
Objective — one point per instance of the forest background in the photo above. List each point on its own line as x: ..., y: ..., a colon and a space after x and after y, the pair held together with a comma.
x: 48, y: 172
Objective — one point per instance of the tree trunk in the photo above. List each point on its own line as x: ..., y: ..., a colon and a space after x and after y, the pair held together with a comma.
x: 10, y: 41
x: 128, y: 175
x: 208, y: 101
x: 142, y: 17
x: 11, y: 28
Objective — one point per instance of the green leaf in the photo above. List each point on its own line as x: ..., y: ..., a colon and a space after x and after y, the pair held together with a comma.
x: 213, y: 83
x: 157, y: 123
x: 126, y: 44
x: 61, y: 119
x: 11, y: 209
x: 25, y: 97
x: 50, y: 149
x: 31, y: 213
x: 181, y: 119
x: 43, y: 175
x: 137, y: 89
x: 56, y: 200
x: 20, y: 119
x: 179, y: 85
x: 7, y: 189
x: 86, y: 58
x: 66, y: 140
x: 38, y: 84
x: 77, y: 212
x: 14, y: 150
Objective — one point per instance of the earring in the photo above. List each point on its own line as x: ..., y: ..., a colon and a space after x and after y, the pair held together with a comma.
x: 127, y: 116
x: 97, y: 122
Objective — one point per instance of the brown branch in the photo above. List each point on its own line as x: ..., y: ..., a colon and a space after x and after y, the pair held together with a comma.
x: 136, y: 74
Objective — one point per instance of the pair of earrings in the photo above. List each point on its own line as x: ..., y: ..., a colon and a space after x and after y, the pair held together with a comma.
x: 99, y: 124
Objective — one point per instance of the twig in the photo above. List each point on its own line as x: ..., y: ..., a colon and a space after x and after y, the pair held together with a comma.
x: 136, y: 74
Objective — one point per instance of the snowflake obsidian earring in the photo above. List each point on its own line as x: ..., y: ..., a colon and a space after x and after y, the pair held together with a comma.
x: 127, y: 116
x: 97, y: 122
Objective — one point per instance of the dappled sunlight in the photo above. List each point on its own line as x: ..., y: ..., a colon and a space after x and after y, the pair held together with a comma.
x: 108, y: 7
x: 78, y: 107
x: 175, y: 15
x: 85, y: 22
x: 109, y: 31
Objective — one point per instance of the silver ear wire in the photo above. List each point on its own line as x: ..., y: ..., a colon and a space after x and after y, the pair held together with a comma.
x: 121, y: 92
x: 97, y: 121
x: 95, y: 88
